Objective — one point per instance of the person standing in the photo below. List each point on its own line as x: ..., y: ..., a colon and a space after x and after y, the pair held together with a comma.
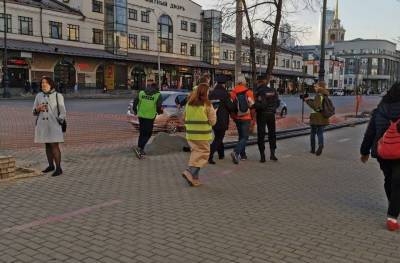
x: 244, y: 99
x: 318, y: 121
x: 224, y: 106
x: 50, y: 113
x: 200, y: 116
x: 146, y: 106
x: 266, y: 103
x: 387, y: 111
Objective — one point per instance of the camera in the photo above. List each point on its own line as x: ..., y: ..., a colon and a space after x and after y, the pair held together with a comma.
x: 304, y: 96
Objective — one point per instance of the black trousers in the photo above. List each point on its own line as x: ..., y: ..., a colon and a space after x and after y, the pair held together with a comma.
x: 391, y: 170
x: 145, y: 131
x: 218, y: 143
x: 263, y: 121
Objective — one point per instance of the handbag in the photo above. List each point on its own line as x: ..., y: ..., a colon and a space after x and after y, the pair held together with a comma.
x: 63, y: 123
x: 389, y: 144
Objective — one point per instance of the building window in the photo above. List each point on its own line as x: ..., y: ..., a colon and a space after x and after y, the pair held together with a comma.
x: 350, y: 81
x: 97, y: 6
x: 193, y: 50
x: 283, y: 63
x: 132, y: 14
x: 133, y: 41
x: 145, y: 45
x: 184, y: 50
x: 184, y: 25
x: 298, y: 65
x: 165, y: 34
x: 145, y: 17
x: 225, y: 55
x: 231, y: 55
x: 2, y: 24
x: 25, y: 25
x: 288, y: 63
x: 73, y: 32
x: 193, y: 27
x: 55, y: 30
x: 97, y: 36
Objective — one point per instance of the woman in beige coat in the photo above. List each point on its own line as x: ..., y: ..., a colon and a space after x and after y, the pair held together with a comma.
x: 200, y: 116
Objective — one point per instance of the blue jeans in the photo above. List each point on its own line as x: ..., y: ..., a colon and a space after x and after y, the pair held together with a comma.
x: 319, y: 131
x: 243, y: 128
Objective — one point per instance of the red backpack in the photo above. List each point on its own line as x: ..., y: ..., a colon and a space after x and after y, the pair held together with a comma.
x: 389, y: 144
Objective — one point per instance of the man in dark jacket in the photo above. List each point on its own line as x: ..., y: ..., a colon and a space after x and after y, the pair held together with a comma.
x: 266, y: 103
x: 222, y: 102
x: 388, y: 110
x: 146, y: 106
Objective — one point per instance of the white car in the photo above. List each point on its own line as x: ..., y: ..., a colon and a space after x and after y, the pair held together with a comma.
x: 338, y: 93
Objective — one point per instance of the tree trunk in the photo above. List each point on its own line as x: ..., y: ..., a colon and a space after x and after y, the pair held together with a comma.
x: 238, y: 42
x: 252, y: 46
x: 274, y: 42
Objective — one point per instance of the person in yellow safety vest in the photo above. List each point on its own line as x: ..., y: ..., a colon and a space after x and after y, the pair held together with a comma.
x: 146, y: 106
x: 200, y: 116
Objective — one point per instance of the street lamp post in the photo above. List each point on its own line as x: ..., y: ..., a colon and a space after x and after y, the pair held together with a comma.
x: 6, y: 92
x: 158, y: 41
x: 323, y: 36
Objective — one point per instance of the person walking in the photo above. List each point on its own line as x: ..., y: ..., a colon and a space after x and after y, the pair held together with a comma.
x: 387, y: 111
x: 200, y: 116
x: 224, y: 106
x: 244, y: 99
x: 50, y: 113
x: 146, y: 106
x: 266, y: 103
x: 318, y: 121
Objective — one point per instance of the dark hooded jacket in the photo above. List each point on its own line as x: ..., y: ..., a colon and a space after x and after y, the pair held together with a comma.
x: 266, y: 100
x: 221, y: 97
x: 150, y: 90
x: 379, y: 123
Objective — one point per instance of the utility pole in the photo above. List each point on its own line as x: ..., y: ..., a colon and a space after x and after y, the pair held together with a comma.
x: 6, y: 92
x: 323, y: 36
x: 238, y: 42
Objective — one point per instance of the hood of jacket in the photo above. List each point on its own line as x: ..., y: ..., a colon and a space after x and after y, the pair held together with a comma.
x: 240, y: 89
x: 389, y: 111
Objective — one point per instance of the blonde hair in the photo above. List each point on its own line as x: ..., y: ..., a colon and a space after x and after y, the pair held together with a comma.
x: 322, y: 88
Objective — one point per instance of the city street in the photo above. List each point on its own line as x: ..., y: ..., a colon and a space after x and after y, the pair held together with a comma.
x: 110, y: 207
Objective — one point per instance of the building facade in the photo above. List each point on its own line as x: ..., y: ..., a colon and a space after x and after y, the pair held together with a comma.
x: 116, y: 44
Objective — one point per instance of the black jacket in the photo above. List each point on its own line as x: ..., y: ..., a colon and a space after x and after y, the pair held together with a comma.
x: 379, y: 123
x: 266, y: 100
x: 220, y: 96
x: 150, y: 90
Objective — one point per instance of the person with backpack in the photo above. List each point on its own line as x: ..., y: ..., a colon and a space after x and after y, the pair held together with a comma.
x: 224, y: 106
x: 382, y: 141
x: 200, y: 116
x: 266, y: 103
x: 146, y: 106
x: 243, y: 99
x: 322, y: 109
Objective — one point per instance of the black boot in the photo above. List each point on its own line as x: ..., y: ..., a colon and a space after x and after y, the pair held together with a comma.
x: 57, y: 172
x: 50, y: 168
x: 319, y: 150
x: 262, y: 157
x: 273, y: 156
x: 211, y: 161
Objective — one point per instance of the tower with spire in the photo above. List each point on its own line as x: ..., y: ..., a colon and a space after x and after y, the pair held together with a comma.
x: 336, y: 31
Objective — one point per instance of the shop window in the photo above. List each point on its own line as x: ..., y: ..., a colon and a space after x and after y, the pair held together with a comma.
x: 145, y: 16
x: 97, y: 6
x: 184, y: 25
x: 97, y: 36
x: 73, y: 32
x: 2, y: 24
x: 25, y: 25
x: 132, y: 14
x: 165, y: 34
x: 193, y: 50
x: 193, y: 27
x: 145, y: 45
x: 184, y: 48
x: 55, y: 30
x: 133, y: 41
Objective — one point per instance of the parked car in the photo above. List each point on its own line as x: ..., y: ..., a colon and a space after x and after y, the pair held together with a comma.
x: 171, y: 120
x: 338, y: 93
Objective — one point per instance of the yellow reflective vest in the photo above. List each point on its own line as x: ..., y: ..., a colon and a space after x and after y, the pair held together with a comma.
x: 197, y: 124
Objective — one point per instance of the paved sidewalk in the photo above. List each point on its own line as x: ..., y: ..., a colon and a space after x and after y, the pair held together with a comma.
x: 110, y: 207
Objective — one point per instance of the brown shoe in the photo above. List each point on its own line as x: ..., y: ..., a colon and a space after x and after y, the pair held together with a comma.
x: 196, y: 183
x: 188, y: 177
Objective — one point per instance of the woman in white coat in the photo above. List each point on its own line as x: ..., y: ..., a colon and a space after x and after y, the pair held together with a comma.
x: 50, y: 113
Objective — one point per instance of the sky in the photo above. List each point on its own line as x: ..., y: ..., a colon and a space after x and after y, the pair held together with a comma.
x: 360, y: 18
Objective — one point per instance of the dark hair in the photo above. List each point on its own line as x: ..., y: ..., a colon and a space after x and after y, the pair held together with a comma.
x: 199, y: 97
x: 393, y: 94
x: 50, y: 81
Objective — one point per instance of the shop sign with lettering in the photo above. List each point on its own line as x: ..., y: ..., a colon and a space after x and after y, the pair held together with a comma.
x: 165, y: 3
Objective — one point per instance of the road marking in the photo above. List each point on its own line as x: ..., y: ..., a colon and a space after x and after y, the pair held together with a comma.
x: 344, y: 140
x: 58, y: 218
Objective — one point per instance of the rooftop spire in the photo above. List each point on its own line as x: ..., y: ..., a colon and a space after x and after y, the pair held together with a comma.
x: 337, y: 10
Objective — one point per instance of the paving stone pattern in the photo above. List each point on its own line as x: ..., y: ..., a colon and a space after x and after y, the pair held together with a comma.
x: 301, y: 209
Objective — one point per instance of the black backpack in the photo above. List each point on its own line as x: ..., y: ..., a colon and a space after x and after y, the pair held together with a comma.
x: 242, y: 103
x: 328, y: 109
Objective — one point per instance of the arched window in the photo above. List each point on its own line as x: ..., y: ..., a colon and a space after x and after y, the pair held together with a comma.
x: 165, y: 34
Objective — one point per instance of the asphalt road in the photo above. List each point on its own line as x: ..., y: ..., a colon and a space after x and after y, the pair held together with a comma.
x: 119, y: 106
